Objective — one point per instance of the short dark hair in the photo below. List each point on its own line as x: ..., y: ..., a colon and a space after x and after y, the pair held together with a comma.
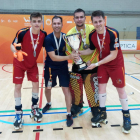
x: 79, y: 10
x: 35, y: 15
x: 97, y: 13
x: 56, y: 17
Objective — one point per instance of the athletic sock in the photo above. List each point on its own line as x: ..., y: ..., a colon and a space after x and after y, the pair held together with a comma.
x: 68, y: 113
x: 35, y: 95
x: 34, y: 98
x: 18, y: 101
x: 102, y: 99
x: 124, y: 103
x: 49, y: 103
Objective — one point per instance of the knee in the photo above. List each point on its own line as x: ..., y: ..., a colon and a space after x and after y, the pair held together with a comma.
x: 66, y: 90
x: 101, y: 91
x: 18, y: 88
x: 102, y: 88
x: 47, y: 91
x: 121, y: 91
x: 35, y: 84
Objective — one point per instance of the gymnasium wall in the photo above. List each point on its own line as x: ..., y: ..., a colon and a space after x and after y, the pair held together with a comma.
x: 70, y: 5
x: 124, y: 15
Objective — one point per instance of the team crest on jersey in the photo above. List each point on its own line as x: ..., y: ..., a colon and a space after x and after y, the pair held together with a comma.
x: 64, y: 49
x: 37, y: 76
x: 119, y: 81
x: 37, y: 43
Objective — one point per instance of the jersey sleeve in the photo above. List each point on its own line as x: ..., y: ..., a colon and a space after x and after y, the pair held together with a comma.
x: 92, y: 47
x: 114, y: 40
x: 44, y: 38
x: 95, y: 55
x: 19, y: 37
x: 48, y: 44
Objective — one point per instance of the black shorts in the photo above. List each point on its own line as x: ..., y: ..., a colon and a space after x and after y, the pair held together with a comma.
x: 63, y: 75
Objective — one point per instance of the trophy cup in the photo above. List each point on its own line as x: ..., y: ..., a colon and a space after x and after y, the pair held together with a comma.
x: 74, y: 41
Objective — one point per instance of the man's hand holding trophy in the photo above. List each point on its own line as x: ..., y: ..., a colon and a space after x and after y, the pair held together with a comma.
x: 74, y: 41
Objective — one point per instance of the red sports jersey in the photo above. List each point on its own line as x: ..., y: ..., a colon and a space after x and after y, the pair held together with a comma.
x: 111, y: 43
x: 23, y: 37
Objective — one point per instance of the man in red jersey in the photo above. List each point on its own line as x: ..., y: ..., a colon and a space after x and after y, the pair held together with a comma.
x: 111, y: 64
x: 32, y: 40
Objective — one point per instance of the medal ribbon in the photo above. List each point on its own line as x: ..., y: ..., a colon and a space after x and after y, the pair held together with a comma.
x: 58, y: 46
x: 84, y: 32
x: 101, y: 46
x: 31, y: 35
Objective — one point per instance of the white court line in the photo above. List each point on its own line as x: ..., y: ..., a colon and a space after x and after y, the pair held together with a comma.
x: 133, y: 75
x: 133, y: 88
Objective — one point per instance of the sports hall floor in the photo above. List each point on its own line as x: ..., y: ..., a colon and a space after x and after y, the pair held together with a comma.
x: 55, y: 118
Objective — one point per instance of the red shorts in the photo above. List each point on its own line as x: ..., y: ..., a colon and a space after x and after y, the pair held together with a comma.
x: 116, y: 74
x: 18, y: 74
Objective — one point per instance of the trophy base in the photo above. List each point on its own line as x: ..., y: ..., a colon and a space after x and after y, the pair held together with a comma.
x: 81, y: 67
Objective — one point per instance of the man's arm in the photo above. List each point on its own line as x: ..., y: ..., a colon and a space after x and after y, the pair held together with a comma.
x: 86, y: 52
x: 114, y: 44
x: 13, y: 48
x: 110, y: 57
x: 18, y: 39
x: 51, y: 52
x: 60, y: 58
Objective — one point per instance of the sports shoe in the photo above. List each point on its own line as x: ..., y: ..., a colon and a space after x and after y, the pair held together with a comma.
x: 46, y: 108
x: 69, y: 120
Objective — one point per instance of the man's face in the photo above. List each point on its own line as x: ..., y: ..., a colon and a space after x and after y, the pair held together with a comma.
x: 57, y: 25
x: 79, y: 19
x: 98, y: 23
x: 36, y: 23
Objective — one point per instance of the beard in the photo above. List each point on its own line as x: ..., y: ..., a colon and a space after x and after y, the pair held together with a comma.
x: 80, y: 25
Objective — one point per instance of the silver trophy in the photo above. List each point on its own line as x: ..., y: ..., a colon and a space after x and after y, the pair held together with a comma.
x: 74, y: 41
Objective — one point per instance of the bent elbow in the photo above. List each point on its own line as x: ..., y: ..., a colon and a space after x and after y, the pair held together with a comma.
x: 53, y: 59
x: 114, y: 57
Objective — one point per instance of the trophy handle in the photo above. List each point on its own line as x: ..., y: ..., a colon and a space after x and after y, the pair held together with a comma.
x: 65, y: 39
